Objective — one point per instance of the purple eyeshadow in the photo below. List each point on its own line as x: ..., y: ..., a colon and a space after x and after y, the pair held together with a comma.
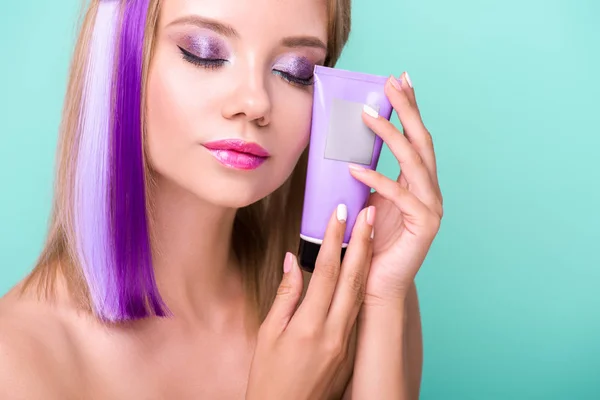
x: 298, y: 67
x: 206, y: 47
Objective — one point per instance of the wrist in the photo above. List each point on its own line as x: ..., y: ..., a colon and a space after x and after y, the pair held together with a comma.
x: 387, y: 311
x: 390, y: 302
x: 379, y: 364
x: 389, y: 297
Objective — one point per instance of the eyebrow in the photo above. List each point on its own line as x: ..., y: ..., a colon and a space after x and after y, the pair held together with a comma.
x: 304, y: 41
x: 218, y: 27
x: 229, y: 31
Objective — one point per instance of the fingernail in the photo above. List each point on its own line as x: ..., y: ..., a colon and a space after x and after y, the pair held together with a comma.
x: 287, y: 263
x: 371, y: 215
x: 370, y: 111
x: 342, y: 213
x: 408, y: 79
x: 356, y: 168
x: 372, y: 233
x: 395, y: 83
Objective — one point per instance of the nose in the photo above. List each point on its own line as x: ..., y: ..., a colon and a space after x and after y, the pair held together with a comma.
x: 250, y: 101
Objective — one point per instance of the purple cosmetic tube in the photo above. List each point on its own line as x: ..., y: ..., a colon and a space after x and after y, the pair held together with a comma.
x: 338, y: 137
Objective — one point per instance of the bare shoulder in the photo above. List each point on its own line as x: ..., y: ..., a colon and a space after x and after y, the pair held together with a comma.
x: 36, y: 359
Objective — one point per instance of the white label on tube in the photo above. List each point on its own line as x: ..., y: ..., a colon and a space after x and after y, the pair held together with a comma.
x: 348, y: 138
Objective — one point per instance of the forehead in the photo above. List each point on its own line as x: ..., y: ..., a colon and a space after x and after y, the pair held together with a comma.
x: 252, y: 18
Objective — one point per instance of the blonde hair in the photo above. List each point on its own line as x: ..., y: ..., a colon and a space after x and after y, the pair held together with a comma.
x: 82, y: 243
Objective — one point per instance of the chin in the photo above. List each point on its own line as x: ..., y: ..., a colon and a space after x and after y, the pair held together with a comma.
x: 233, y: 197
x: 235, y: 189
x: 219, y: 185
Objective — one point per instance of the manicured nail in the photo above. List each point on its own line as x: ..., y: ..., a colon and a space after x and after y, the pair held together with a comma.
x: 370, y: 111
x: 395, y: 83
x: 295, y: 262
x: 342, y: 213
x: 287, y: 263
x: 371, y: 215
x: 408, y: 79
x: 357, y: 168
x: 371, y: 220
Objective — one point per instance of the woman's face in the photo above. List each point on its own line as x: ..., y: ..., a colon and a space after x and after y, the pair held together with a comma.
x: 230, y: 94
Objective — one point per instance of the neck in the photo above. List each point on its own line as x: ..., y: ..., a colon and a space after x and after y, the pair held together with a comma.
x: 196, y: 272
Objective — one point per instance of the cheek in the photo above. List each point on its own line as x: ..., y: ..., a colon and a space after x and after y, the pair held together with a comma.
x: 171, y: 112
x: 294, y: 120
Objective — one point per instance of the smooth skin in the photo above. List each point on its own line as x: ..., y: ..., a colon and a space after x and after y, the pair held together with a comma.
x: 51, y: 350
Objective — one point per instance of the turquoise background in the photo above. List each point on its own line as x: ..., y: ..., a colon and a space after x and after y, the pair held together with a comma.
x: 509, y: 89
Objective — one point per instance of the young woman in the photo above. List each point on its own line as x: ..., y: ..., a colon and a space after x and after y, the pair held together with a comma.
x: 167, y: 273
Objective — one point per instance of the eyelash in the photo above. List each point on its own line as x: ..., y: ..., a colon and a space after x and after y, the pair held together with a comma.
x: 201, y: 62
x: 216, y: 63
x: 294, y: 80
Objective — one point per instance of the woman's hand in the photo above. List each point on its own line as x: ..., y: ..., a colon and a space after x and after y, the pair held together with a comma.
x: 301, y: 349
x: 409, y: 210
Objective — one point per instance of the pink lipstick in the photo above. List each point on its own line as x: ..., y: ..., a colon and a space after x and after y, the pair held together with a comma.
x: 238, y: 154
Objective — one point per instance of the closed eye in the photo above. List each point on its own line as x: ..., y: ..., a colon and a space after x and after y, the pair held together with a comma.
x: 294, y: 79
x: 201, y: 62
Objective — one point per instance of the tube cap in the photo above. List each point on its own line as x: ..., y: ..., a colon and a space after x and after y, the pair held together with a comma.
x: 307, y: 255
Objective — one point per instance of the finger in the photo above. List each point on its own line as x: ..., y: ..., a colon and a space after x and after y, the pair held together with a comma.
x: 401, y: 95
x: 411, y: 163
x: 350, y: 290
x: 402, y: 180
x: 418, y: 217
x: 408, y: 88
x: 327, y: 268
x: 286, y: 300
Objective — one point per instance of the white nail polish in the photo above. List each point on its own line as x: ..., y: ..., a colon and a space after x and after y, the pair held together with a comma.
x: 408, y: 80
x: 342, y: 213
x: 370, y: 111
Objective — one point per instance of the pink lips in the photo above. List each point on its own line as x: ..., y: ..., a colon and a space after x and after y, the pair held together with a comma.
x: 238, y: 154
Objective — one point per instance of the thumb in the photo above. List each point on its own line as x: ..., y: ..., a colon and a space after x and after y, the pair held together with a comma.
x: 288, y: 295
